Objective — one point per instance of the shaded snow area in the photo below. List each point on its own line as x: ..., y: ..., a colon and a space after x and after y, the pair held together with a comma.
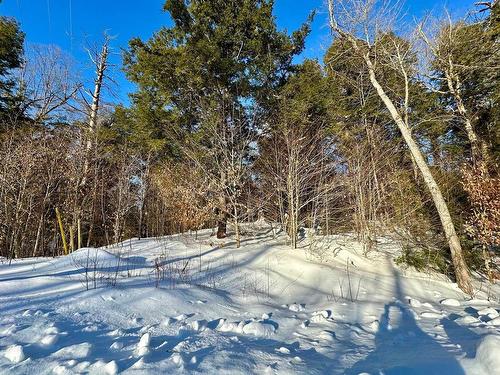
x: 186, y: 304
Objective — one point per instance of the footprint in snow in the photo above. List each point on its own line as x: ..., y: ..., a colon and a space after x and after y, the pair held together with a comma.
x: 198, y: 302
x: 296, y: 307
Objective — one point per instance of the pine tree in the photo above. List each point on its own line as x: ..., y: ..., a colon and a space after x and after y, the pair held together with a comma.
x: 214, y: 70
x: 11, y: 53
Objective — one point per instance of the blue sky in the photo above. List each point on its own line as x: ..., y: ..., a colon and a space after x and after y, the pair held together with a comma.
x: 71, y: 24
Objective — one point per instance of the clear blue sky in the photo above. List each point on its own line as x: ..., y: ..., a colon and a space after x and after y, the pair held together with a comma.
x: 71, y: 24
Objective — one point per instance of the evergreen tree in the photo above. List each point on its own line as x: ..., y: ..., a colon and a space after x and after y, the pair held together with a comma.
x: 214, y: 70
x: 11, y: 52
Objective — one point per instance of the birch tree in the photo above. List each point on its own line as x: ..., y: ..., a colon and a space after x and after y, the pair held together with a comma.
x: 451, y: 70
x: 360, y: 23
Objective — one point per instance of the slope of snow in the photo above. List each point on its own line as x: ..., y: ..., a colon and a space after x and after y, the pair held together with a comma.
x: 186, y: 304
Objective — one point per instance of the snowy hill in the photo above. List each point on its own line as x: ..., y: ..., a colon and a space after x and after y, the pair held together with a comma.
x: 182, y: 304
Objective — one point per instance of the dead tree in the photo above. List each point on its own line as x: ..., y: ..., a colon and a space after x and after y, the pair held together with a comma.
x: 91, y: 110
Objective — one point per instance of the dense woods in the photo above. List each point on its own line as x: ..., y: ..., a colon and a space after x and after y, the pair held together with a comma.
x: 395, y: 133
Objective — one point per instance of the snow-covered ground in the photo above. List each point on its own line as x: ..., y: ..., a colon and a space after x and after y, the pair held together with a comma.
x: 259, y: 309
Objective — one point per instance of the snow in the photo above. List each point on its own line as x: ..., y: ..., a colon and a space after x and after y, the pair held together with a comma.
x: 495, y: 322
x: 260, y: 308
x: 489, y: 311
x: 450, y: 302
x: 261, y: 329
x: 15, y: 353
x: 111, y: 368
x: 487, y: 359
x: 145, y: 341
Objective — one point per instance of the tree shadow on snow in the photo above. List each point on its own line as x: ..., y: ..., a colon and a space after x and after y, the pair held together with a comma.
x: 463, y: 336
x: 402, y: 347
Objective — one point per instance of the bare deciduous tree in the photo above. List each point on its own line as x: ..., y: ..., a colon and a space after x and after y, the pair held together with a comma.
x: 48, y: 83
x: 360, y: 23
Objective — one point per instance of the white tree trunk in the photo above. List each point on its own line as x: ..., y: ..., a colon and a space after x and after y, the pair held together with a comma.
x: 461, y: 269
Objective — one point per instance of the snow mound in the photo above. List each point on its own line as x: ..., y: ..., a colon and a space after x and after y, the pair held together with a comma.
x: 495, y: 322
x: 15, y: 353
x: 487, y: 360
x: 296, y: 307
x: 49, y: 340
x: 198, y: 325
x: 488, y: 353
x: 431, y: 315
x: 82, y: 350
x: 143, y: 345
x: 144, y: 341
x: 260, y: 329
x: 414, y: 302
x: 116, y: 346
x: 225, y: 326
x: 490, y: 311
x: 321, y: 316
x: 95, y: 256
x: 9, y: 330
x: 467, y: 320
x: 450, y: 302
x: 478, y: 302
x: 111, y: 368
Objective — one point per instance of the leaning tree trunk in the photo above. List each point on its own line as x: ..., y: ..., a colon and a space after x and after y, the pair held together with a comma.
x: 461, y: 270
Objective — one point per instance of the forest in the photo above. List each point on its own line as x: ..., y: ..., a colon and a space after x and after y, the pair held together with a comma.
x: 394, y: 133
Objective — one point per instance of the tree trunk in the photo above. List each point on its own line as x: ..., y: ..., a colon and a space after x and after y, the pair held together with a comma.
x: 61, y: 230
x: 222, y: 217
x: 461, y: 270
x: 479, y: 152
x: 101, y: 66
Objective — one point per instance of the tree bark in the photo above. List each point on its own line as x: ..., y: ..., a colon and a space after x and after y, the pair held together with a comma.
x: 222, y: 217
x: 461, y: 270
x: 479, y: 152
